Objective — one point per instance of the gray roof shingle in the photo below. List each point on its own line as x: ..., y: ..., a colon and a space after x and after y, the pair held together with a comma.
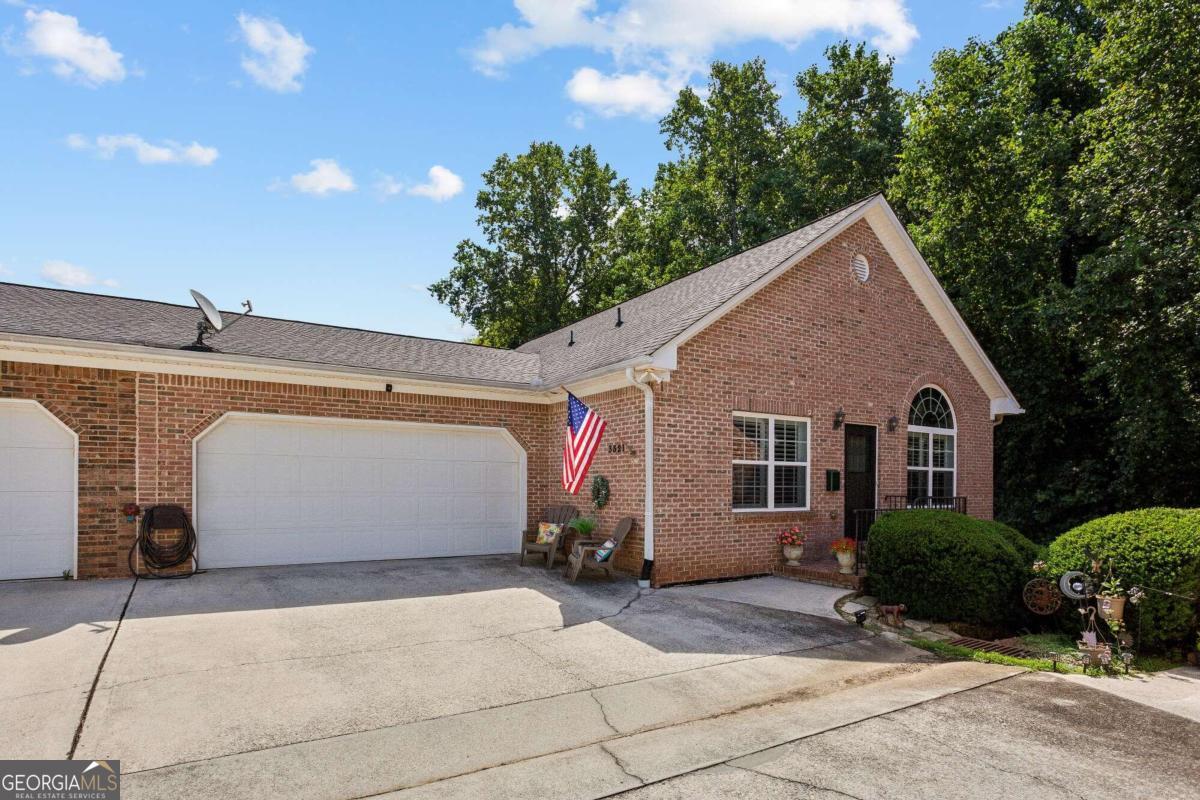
x: 650, y: 321
x: 99, y: 318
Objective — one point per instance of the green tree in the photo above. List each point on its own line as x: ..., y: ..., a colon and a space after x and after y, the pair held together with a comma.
x: 983, y: 187
x: 1137, y: 189
x: 551, y: 224
x: 848, y: 135
x: 726, y: 189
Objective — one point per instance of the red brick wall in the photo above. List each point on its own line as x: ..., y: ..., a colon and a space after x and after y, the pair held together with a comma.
x: 136, y: 431
x: 99, y: 406
x: 812, y: 341
x: 620, y: 459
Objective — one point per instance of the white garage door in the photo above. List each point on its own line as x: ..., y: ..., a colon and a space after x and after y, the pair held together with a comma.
x: 37, y: 493
x: 290, y: 490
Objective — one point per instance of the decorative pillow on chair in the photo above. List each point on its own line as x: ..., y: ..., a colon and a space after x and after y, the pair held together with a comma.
x: 605, y: 550
x: 548, y: 532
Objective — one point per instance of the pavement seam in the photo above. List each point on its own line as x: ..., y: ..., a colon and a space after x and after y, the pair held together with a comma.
x: 729, y: 761
x: 746, y: 660
x: 87, y: 705
x: 805, y: 784
x: 986, y: 764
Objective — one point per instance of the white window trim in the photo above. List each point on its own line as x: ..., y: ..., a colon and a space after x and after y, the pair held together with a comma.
x: 771, y: 463
x: 928, y: 433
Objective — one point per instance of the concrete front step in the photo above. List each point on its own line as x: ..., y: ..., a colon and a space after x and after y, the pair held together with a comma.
x: 825, y: 577
x: 627, y: 762
x: 448, y: 748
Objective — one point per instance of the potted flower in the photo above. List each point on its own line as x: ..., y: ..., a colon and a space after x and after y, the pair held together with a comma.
x: 846, y: 551
x: 1110, y: 600
x: 792, y: 541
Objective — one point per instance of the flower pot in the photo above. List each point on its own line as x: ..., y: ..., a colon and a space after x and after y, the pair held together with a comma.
x: 792, y: 553
x: 845, y: 561
x: 1111, y: 608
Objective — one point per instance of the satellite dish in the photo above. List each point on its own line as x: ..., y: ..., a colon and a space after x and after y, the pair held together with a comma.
x: 212, y: 322
x: 210, y: 311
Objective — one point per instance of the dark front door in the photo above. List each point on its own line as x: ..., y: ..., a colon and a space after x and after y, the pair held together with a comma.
x: 859, y: 488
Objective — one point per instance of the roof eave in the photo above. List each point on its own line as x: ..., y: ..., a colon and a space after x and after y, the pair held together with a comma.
x: 78, y: 352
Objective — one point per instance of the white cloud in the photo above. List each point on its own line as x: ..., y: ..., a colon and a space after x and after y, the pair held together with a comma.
x: 658, y: 45
x: 325, y: 177
x: 5, y: 272
x: 64, y: 273
x: 609, y: 95
x: 77, y: 55
x: 166, y: 152
x: 576, y: 120
x: 387, y: 186
x: 279, y: 57
x: 441, y: 186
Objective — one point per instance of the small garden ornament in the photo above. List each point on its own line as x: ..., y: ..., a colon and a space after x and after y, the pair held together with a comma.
x: 792, y: 541
x: 846, y: 551
x: 893, y: 615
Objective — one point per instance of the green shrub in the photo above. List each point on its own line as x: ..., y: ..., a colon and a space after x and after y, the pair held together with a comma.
x: 950, y: 567
x: 1154, y: 547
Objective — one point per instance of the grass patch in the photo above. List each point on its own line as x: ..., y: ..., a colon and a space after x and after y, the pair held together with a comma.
x: 1049, y: 642
x: 955, y: 653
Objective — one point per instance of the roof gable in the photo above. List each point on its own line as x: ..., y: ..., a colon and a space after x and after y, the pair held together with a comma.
x: 653, y: 319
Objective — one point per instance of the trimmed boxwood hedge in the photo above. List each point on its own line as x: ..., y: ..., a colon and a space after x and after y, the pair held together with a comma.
x: 950, y: 567
x: 1155, y: 547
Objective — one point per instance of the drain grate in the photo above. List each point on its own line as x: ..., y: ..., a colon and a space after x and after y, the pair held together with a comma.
x: 1004, y: 647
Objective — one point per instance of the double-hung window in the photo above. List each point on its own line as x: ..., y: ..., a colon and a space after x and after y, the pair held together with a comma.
x: 770, y: 463
x: 931, y: 447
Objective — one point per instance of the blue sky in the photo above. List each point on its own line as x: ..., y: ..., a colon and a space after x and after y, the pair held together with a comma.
x: 283, y: 151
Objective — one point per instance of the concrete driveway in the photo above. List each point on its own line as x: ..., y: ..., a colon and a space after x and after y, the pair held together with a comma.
x: 233, y: 672
x: 465, y: 677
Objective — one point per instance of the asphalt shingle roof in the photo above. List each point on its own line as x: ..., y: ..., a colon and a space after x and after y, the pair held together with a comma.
x: 650, y: 321
x: 100, y: 318
x: 658, y: 316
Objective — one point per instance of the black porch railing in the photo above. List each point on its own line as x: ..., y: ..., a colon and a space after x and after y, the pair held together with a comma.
x: 864, y: 518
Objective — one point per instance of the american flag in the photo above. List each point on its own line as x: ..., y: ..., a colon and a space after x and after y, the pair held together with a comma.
x: 584, y: 429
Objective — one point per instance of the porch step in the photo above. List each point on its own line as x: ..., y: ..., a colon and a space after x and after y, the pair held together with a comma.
x: 825, y: 577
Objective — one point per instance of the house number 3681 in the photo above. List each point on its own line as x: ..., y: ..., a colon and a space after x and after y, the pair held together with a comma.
x: 616, y: 447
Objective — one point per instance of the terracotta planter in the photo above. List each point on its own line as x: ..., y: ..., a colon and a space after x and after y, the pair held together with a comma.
x: 845, y: 561
x: 1111, y: 607
x: 792, y: 553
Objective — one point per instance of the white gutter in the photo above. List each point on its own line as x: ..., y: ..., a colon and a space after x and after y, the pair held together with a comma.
x: 639, y: 380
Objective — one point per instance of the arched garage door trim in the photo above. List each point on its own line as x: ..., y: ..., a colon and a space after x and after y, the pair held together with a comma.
x: 10, y: 402
x: 507, y: 436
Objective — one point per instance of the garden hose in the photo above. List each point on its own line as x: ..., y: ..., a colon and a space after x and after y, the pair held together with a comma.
x: 158, y: 556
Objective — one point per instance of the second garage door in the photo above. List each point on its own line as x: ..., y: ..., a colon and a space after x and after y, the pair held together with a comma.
x: 287, y: 490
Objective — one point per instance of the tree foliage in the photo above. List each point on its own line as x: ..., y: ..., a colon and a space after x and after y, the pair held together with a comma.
x: 551, y: 224
x: 1050, y: 176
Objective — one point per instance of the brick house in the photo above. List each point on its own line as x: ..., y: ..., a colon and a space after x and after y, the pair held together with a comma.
x: 790, y: 384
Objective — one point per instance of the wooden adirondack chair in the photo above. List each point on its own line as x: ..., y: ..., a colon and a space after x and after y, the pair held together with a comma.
x: 583, y: 554
x: 559, y: 515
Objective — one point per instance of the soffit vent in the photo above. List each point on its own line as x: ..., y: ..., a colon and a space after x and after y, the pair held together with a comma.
x: 861, y: 267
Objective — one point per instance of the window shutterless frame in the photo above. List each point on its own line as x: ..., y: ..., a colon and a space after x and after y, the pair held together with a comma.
x: 771, y: 463
x: 928, y: 435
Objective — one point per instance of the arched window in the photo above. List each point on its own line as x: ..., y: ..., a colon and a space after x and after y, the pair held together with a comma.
x: 931, y: 447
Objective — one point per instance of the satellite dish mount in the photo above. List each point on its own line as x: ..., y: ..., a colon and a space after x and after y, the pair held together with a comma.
x: 212, y: 323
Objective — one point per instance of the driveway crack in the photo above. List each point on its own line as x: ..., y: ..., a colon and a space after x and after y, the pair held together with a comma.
x: 807, y: 785
x: 603, y: 713
x: 87, y: 705
x: 621, y: 765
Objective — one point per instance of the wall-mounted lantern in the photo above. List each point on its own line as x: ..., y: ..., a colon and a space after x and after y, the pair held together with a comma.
x: 893, y: 422
x: 838, y: 417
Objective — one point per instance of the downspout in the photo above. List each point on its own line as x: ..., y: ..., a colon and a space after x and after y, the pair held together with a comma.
x: 648, y: 524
